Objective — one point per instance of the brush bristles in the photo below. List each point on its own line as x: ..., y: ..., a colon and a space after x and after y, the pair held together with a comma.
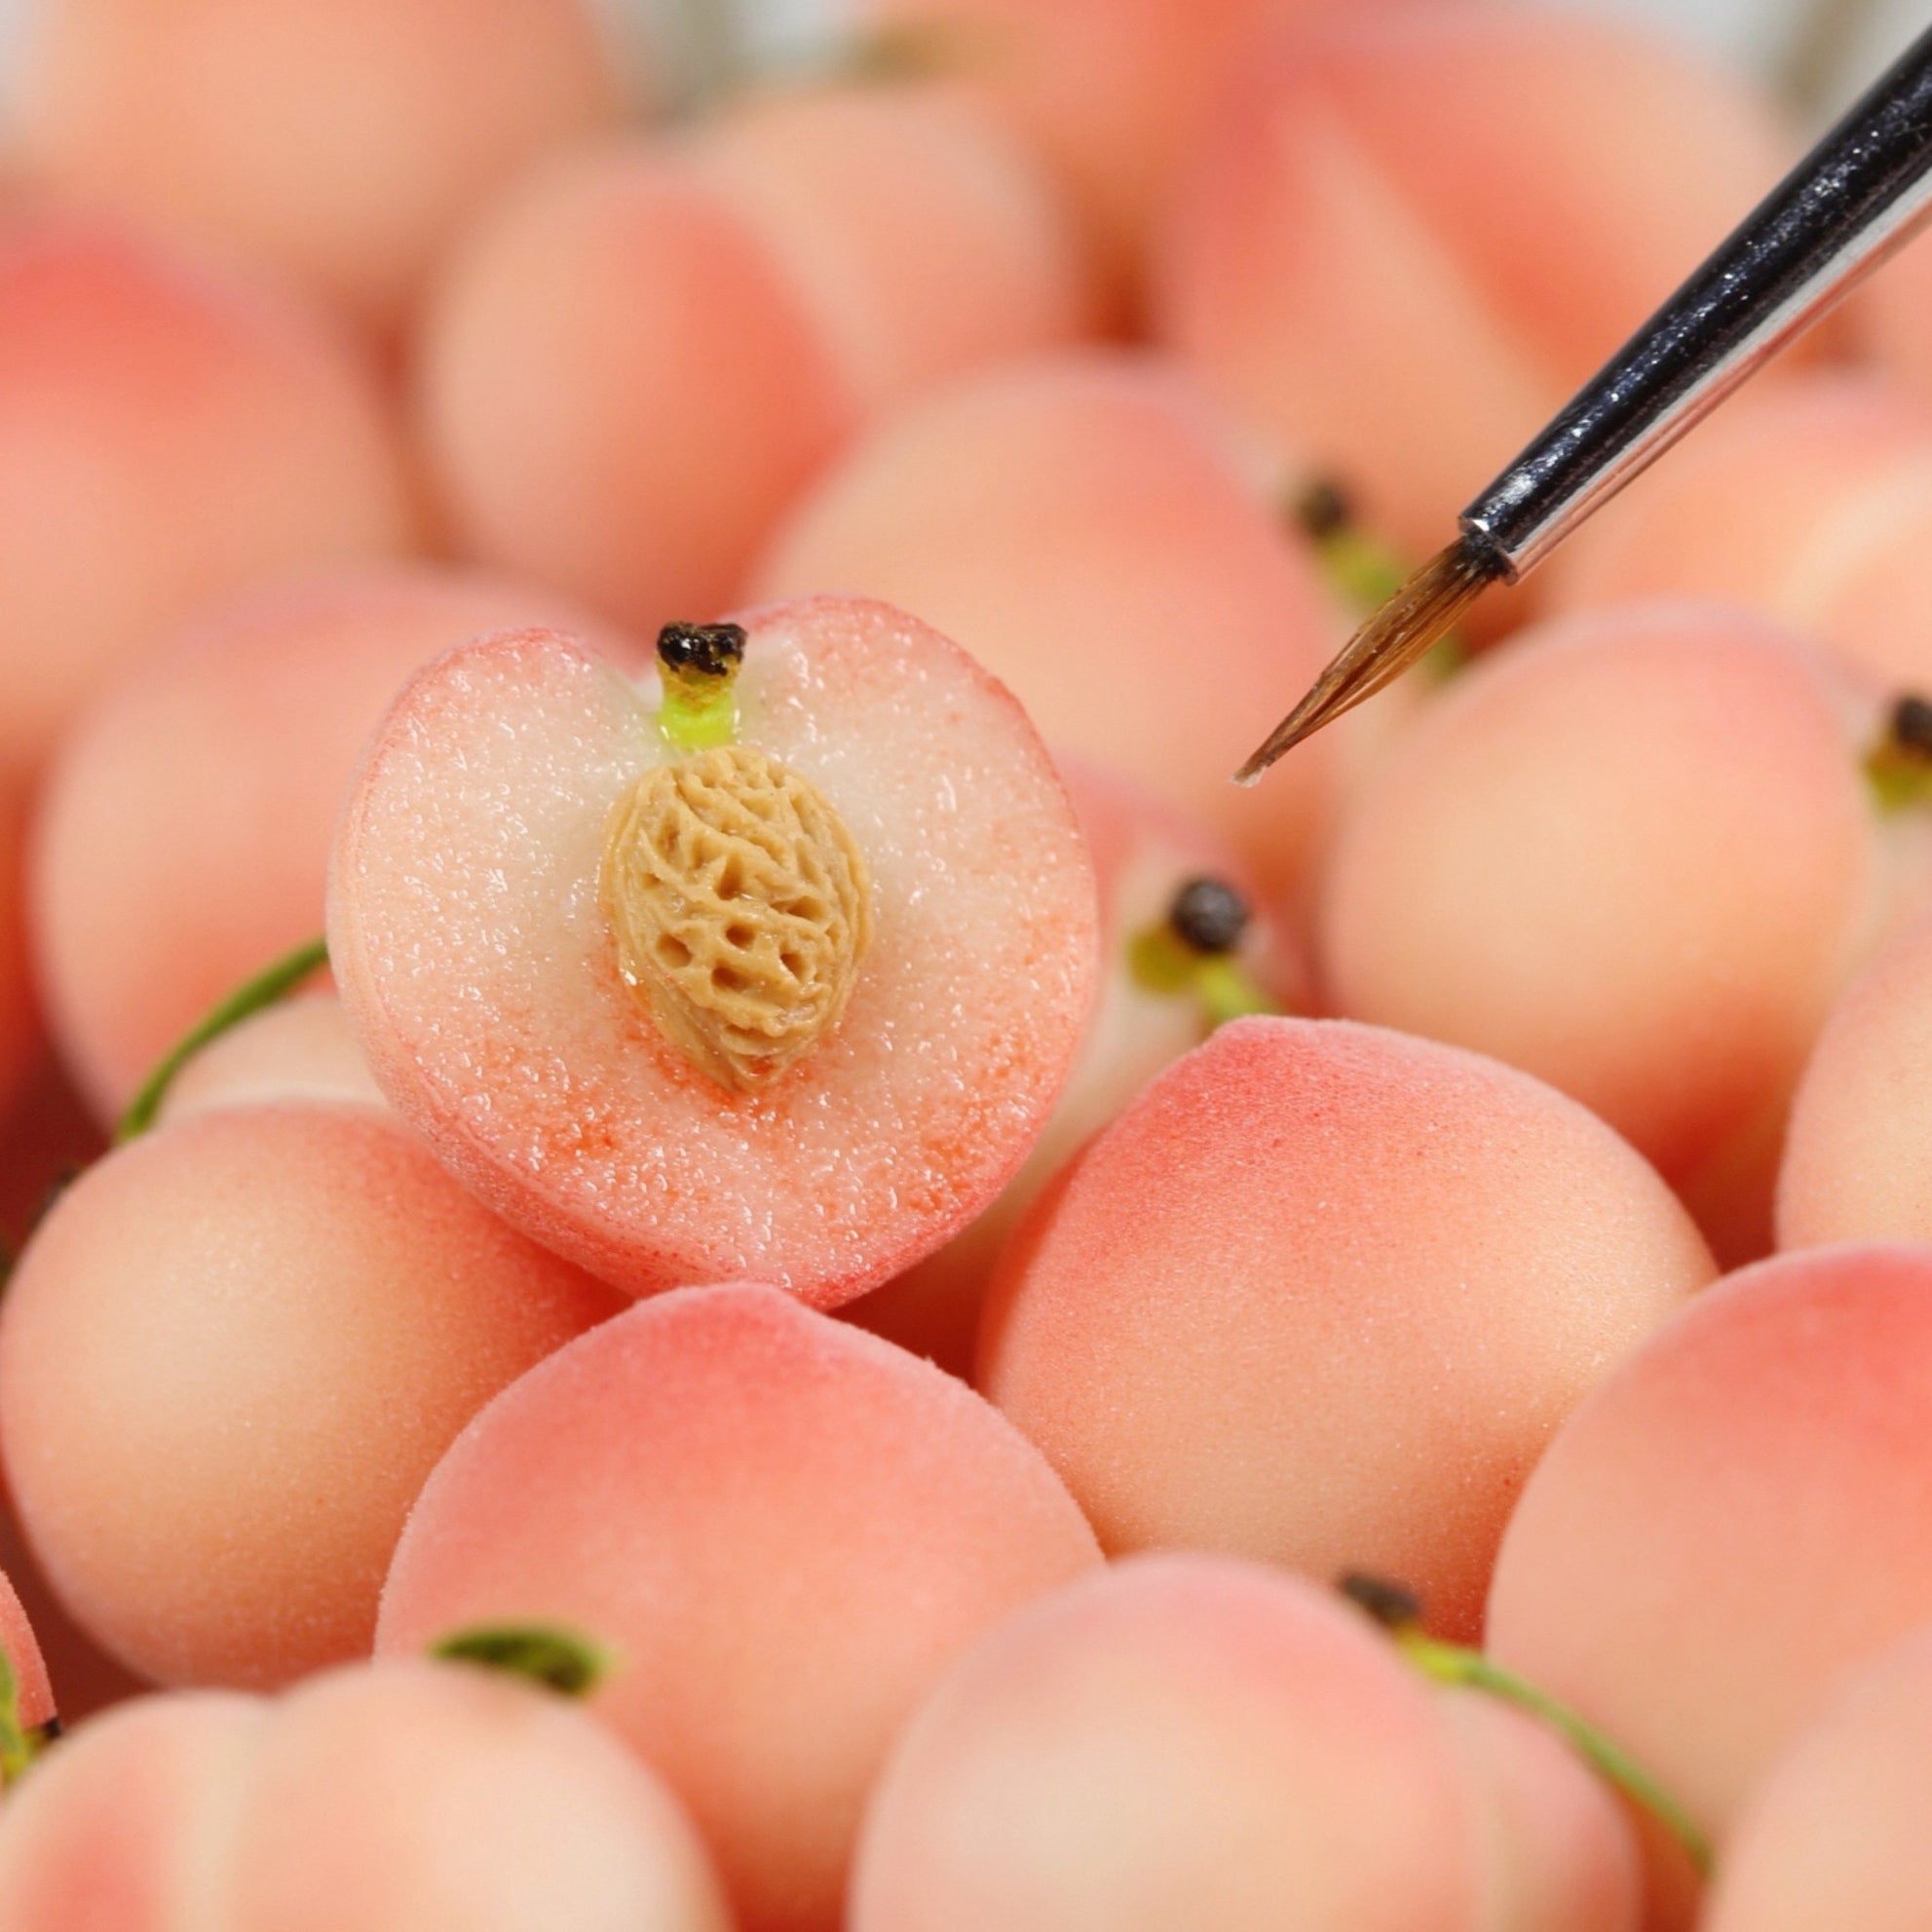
x: 1427, y: 606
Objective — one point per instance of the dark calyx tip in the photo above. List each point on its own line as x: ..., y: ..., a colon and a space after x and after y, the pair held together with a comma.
x: 1209, y: 916
x: 1392, y: 1606
x: 1323, y: 508
x: 712, y: 649
x: 1911, y: 725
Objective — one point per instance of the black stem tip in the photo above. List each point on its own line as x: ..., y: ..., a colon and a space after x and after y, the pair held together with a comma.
x: 1392, y: 1604
x: 1911, y: 725
x: 712, y: 649
x: 1209, y: 916
x: 1323, y: 508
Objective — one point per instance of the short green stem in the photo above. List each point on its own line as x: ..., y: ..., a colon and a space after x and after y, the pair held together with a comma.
x: 264, y: 990
x: 699, y: 665
x: 18, y: 1745
x: 549, y: 1654
x: 1161, y: 962
x: 1457, y: 1664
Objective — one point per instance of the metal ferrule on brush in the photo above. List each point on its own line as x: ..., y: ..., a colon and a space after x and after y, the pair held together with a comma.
x: 1848, y: 205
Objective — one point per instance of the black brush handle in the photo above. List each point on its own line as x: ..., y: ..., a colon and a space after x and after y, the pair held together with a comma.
x: 1856, y: 197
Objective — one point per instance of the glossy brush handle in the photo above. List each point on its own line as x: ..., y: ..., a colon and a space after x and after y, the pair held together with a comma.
x: 1848, y: 204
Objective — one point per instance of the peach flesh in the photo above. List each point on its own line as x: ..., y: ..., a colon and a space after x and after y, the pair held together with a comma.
x: 335, y: 146
x: 290, y: 1309
x: 195, y: 804
x: 785, y: 1527
x: 1633, y: 855
x: 1143, y: 854
x: 1179, y: 1741
x: 167, y: 437
x: 473, y: 955
x: 1835, y: 1832
x: 1086, y: 526
x: 913, y: 230
x: 1322, y: 1295
x: 1811, y: 503
x: 1739, y: 1515
x: 1344, y: 213
x: 406, y: 1793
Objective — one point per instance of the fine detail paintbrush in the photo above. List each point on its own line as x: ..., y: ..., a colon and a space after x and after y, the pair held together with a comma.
x: 1854, y: 199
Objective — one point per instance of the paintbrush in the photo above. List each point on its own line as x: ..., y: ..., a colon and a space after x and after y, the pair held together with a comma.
x: 1853, y: 200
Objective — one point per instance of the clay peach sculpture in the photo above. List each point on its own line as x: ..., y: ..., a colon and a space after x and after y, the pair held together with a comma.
x: 1093, y: 533
x: 1185, y: 943
x: 786, y: 1529
x: 787, y: 998
x: 338, y: 147
x: 33, y: 1694
x: 436, y: 1795
x: 1738, y: 1517
x: 1342, y: 214
x: 299, y: 1048
x: 1633, y: 853
x: 1811, y: 503
x: 1857, y: 1160
x: 290, y: 1309
x: 1322, y: 1297
x: 1179, y: 1741
x: 1834, y: 1833
x: 196, y: 801
x: 640, y: 355
x: 167, y: 436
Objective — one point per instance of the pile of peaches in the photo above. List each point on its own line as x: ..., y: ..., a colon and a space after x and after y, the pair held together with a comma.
x: 702, y: 1233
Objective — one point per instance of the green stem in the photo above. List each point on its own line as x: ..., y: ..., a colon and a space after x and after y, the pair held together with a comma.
x: 264, y: 990
x: 1457, y: 1664
x: 1161, y: 962
x: 19, y: 1746
x: 563, y: 1660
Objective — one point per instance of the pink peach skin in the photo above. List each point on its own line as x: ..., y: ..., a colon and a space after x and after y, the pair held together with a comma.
x: 1143, y: 854
x: 471, y: 950
x: 1180, y: 1740
x: 1558, y: 1854
x: 1632, y: 854
x: 1857, y: 1161
x: 374, y: 1797
x: 1322, y: 1297
x: 338, y: 147
x: 1342, y: 215
x: 1891, y: 319
x: 195, y: 803
x: 33, y: 1695
x: 1811, y: 503
x: 1090, y: 531
x: 785, y: 1527
x: 1738, y: 1517
x: 167, y: 437
x: 291, y: 1310
x: 1835, y: 1832
x: 300, y: 1049
x: 913, y: 227
x: 1110, y: 92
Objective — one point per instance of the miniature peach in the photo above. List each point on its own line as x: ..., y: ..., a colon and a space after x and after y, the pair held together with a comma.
x: 289, y: 1308
x: 196, y: 802
x: 1322, y: 1297
x: 793, y: 1004
x: 785, y: 1528
x: 337, y: 147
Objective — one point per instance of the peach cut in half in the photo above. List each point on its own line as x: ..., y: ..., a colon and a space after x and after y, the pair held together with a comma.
x: 778, y: 978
